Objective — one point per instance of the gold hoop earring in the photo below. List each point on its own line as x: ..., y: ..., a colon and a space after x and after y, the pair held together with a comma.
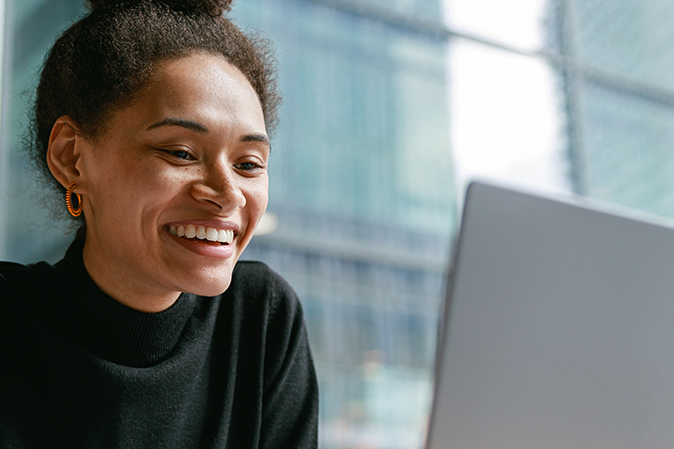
x: 69, y: 202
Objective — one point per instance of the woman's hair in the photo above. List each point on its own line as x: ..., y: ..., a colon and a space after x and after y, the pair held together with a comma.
x: 99, y: 64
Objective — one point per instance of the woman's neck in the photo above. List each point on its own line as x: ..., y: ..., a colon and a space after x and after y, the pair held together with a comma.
x: 122, y: 286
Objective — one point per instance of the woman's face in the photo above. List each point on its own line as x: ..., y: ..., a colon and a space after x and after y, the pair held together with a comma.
x: 188, y: 156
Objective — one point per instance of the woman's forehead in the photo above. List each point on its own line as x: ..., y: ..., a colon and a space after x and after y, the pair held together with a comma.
x: 202, y: 89
x: 202, y: 71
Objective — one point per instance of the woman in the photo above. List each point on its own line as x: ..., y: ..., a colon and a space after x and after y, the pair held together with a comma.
x: 152, y: 118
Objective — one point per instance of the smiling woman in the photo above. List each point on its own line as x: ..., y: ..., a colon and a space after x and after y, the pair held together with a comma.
x: 153, y: 119
x: 190, y: 151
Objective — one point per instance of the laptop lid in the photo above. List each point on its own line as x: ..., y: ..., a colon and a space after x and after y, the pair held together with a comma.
x: 559, y: 329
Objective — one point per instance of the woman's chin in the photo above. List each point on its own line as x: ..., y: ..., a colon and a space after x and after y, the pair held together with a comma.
x: 209, y: 288
x: 208, y: 278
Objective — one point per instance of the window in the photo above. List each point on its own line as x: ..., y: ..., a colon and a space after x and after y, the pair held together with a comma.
x: 390, y: 108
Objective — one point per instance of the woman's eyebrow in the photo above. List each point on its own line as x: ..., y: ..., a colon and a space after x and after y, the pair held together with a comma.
x: 198, y: 127
x: 174, y: 121
x: 255, y: 138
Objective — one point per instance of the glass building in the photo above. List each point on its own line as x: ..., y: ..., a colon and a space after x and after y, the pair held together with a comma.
x: 389, y: 108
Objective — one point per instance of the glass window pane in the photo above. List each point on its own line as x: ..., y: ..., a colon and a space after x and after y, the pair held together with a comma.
x: 628, y: 150
x: 521, y: 24
x: 30, y: 232
x: 429, y: 10
x: 507, y: 122
x: 631, y: 38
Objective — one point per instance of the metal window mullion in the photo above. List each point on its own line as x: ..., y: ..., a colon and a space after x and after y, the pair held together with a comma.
x: 571, y: 78
x: 5, y: 81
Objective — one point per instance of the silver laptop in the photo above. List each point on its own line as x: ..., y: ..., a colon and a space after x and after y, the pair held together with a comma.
x: 559, y: 329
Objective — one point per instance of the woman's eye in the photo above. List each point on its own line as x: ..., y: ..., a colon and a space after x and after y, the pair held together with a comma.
x: 247, y: 166
x: 180, y: 154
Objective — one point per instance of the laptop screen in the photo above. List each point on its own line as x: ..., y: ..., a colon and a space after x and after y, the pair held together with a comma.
x: 559, y: 329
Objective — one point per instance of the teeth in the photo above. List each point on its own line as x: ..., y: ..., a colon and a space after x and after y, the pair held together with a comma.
x: 212, y: 234
x: 224, y: 236
x: 202, y: 232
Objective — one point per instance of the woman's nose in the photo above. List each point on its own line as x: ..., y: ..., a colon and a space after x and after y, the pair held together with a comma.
x: 219, y: 186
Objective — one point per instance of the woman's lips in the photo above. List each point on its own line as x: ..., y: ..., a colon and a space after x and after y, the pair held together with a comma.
x: 204, y: 247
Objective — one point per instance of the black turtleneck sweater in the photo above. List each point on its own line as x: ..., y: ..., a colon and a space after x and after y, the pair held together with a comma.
x: 80, y: 370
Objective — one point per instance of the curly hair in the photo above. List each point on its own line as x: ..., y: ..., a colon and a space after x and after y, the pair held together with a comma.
x: 100, y: 63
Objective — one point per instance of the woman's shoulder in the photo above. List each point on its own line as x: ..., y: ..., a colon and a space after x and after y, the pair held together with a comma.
x: 254, y: 276
x: 256, y: 283
x: 24, y: 290
x: 15, y: 277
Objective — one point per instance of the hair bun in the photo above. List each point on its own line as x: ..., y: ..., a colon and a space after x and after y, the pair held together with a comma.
x: 213, y: 8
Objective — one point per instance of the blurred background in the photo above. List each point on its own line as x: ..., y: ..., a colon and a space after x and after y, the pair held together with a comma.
x: 391, y: 106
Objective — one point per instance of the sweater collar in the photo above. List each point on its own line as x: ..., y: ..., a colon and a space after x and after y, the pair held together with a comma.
x: 112, y: 330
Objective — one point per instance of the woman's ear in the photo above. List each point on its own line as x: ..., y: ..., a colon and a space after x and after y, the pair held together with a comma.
x: 64, y: 152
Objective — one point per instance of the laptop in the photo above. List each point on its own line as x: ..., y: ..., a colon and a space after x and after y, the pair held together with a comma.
x: 558, y: 329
